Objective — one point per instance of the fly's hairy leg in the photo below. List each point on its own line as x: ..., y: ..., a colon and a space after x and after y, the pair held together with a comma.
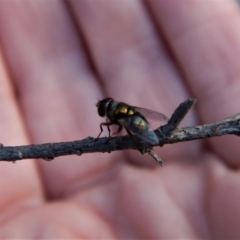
x: 101, y: 129
x: 118, y: 131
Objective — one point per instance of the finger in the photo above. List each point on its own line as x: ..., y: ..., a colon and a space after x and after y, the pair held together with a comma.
x: 56, y: 87
x: 19, y: 183
x: 131, y: 59
x: 205, y: 38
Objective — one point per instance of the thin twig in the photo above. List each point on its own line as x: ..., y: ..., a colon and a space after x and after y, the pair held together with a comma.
x: 167, y: 134
x: 178, y: 116
x: 152, y: 153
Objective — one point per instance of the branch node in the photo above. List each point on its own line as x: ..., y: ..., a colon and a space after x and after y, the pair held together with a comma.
x: 78, y: 152
x: 20, y: 155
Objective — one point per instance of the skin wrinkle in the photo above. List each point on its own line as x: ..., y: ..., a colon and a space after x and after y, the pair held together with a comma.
x: 227, y: 75
x: 148, y: 231
x: 211, y: 90
x: 191, y: 205
x: 200, y: 15
x: 220, y: 186
x: 217, y: 171
x: 178, y: 206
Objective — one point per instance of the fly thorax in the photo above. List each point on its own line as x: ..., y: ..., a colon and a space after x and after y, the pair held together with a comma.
x: 111, y: 111
x: 121, y: 109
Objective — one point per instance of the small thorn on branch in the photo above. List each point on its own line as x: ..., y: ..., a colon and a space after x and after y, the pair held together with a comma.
x: 152, y: 153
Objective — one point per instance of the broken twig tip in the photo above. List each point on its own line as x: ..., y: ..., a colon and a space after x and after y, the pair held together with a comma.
x: 152, y: 153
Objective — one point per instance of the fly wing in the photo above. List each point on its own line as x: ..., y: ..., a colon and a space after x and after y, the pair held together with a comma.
x: 139, y: 127
x: 147, y: 113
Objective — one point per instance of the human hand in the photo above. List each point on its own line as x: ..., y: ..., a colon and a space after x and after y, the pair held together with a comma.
x: 58, y: 59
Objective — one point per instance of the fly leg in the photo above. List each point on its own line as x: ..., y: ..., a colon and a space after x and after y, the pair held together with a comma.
x: 118, y: 131
x: 101, y: 129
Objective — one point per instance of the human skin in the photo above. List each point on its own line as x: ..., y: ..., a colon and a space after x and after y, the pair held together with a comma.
x: 59, y: 58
